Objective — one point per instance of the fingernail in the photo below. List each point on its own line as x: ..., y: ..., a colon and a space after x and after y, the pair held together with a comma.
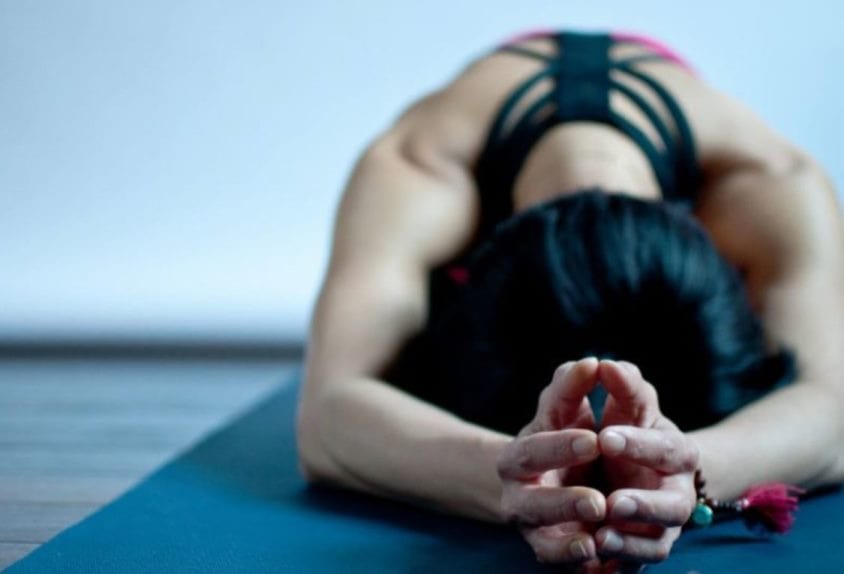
x: 587, y: 509
x: 629, y: 367
x: 613, y: 442
x: 563, y: 369
x: 578, y: 550
x: 624, y: 507
x: 612, y: 541
x: 583, y: 445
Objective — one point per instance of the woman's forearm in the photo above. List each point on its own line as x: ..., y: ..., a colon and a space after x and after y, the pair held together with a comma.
x: 789, y: 222
x: 368, y: 435
x: 793, y: 435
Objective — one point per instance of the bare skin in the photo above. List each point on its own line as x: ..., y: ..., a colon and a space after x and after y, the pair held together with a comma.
x: 649, y: 464
x: 411, y: 204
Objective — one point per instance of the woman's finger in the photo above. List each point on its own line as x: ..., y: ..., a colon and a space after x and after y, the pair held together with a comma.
x: 529, y: 456
x: 561, y: 401
x: 632, y: 395
x: 546, y: 505
x: 663, y: 507
x: 665, y: 450
x: 614, y: 544
x: 553, y: 546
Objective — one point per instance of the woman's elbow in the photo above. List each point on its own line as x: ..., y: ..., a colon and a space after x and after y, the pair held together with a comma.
x: 314, y: 462
x: 836, y: 476
x: 833, y: 470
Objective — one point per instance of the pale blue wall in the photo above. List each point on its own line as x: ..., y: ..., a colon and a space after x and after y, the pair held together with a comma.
x: 170, y: 169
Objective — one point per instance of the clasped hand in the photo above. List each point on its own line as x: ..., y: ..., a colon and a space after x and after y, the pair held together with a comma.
x: 599, y: 497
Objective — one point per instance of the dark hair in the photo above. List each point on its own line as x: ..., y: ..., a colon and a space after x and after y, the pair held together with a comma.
x: 595, y: 274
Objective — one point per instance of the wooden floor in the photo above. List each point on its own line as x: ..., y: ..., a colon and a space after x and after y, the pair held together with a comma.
x: 75, y: 434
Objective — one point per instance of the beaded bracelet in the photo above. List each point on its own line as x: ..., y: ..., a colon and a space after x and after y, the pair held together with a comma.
x: 767, y: 507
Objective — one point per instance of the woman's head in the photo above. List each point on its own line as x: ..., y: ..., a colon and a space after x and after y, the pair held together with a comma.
x: 611, y: 276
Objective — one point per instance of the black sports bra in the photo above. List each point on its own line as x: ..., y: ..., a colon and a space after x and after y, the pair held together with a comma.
x: 582, y: 85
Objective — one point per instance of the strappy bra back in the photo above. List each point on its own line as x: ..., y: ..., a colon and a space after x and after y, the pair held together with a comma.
x: 582, y: 73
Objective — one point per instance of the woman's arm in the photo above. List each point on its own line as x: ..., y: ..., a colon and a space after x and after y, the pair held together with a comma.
x: 410, y: 205
x: 398, y: 219
x: 785, y: 224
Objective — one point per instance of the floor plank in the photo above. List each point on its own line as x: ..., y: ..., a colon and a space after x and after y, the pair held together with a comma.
x: 69, y: 489
x: 37, y: 522
x: 75, y: 434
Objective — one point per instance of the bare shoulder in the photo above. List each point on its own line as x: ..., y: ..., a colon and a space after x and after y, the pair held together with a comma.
x: 773, y: 212
x: 410, y: 205
x: 455, y: 120
x: 769, y: 207
x: 415, y: 182
x: 726, y: 132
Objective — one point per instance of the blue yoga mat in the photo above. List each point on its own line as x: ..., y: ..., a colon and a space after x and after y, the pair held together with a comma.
x: 236, y: 503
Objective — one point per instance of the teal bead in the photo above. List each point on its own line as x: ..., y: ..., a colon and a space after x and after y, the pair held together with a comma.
x: 702, y: 515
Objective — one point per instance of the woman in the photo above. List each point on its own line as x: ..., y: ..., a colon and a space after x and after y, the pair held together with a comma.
x: 519, y: 135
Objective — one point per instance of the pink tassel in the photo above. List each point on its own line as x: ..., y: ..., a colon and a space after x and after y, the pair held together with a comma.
x: 771, y: 506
